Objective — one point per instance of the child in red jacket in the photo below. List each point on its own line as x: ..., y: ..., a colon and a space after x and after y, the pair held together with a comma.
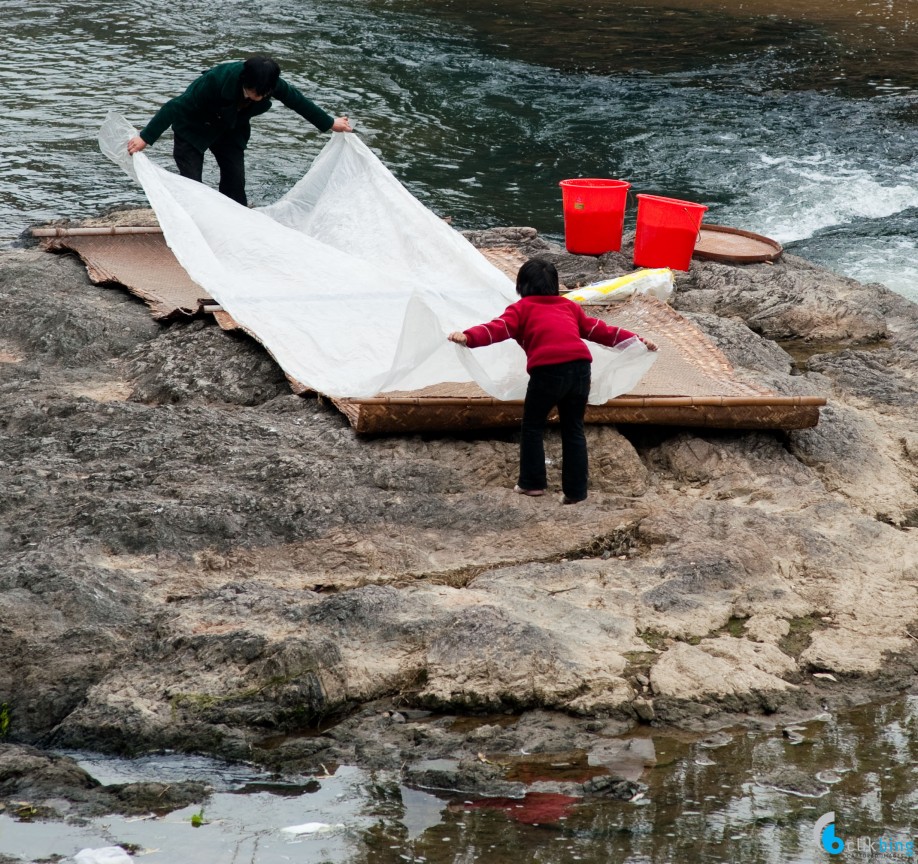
x: 551, y: 330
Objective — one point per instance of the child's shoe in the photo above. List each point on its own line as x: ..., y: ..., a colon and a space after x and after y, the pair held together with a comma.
x: 532, y: 493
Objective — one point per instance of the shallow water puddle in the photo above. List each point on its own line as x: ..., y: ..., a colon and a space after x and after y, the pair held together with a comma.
x: 236, y: 827
x: 740, y: 796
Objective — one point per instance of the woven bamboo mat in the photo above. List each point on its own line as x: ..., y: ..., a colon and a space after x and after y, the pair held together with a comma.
x: 688, y: 363
x: 691, y: 384
x: 144, y: 264
x: 507, y: 259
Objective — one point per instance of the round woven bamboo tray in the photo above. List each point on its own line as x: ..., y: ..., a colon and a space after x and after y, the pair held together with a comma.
x: 735, y: 246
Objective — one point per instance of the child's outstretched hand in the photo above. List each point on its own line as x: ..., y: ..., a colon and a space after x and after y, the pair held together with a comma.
x: 458, y: 338
x: 649, y: 344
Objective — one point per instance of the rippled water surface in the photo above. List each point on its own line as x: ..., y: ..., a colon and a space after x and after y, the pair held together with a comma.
x: 796, y: 119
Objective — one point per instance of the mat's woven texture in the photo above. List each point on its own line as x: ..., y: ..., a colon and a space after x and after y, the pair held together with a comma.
x: 433, y: 415
x: 507, y: 259
x: 144, y: 264
x: 688, y: 363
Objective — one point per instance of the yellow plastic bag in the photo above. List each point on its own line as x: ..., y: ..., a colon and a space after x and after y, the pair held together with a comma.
x: 657, y: 283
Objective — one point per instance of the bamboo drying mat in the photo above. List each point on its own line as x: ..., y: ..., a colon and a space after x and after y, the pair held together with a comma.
x: 691, y: 384
x: 144, y: 264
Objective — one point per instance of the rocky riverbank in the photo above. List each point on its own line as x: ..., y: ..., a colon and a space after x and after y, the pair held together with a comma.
x: 193, y: 558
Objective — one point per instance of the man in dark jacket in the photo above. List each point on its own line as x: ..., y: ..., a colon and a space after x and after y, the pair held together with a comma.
x: 214, y: 113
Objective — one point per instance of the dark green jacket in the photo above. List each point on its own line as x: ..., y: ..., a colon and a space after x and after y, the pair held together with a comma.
x: 213, y: 105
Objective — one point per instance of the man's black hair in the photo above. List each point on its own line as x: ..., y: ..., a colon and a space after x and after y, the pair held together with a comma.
x: 537, y: 277
x: 260, y: 74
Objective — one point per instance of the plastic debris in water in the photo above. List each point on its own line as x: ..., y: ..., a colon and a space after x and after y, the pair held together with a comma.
x: 310, y: 828
x: 105, y: 855
x: 829, y: 777
x: 794, y: 734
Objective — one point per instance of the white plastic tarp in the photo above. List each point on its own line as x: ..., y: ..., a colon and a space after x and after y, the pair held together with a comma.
x: 349, y: 281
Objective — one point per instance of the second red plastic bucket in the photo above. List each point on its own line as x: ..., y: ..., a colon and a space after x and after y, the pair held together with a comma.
x: 667, y: 230
x: 594, y: 210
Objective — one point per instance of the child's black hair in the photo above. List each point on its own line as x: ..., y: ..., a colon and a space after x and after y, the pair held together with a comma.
x: 537, y: 277
x: 260, y: 74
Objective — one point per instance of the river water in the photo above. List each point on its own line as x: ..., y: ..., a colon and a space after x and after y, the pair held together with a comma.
x: 793, y: 118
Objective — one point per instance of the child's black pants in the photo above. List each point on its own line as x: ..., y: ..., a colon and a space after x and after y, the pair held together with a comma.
x: 567, y: 386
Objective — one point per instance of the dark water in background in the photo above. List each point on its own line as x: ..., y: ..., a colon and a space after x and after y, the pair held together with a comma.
x: 796, y: 119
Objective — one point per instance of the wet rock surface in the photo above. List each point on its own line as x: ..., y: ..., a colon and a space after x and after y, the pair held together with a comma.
x: 36, y: 785
x: 191, y: 557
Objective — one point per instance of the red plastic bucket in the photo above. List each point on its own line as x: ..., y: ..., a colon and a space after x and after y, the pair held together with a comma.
x: 594, y: 211
x: 667, y: 230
